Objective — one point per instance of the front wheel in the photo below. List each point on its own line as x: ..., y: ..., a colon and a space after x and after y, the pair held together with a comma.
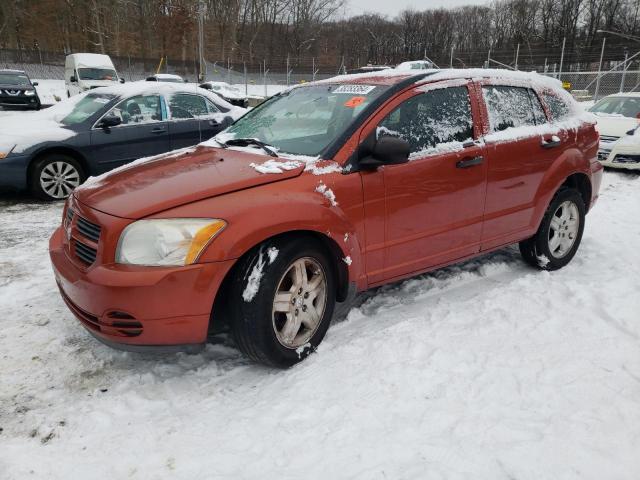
x: 560, y: 232
x: 55, y: 176
x: 282, y: 301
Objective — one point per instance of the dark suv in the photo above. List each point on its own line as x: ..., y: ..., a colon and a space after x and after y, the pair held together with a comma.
x: 16, y: 90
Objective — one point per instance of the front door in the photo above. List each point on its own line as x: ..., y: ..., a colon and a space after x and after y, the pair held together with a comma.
x: 193, y: 120
x: 142, y: 133
x: 434, y: 203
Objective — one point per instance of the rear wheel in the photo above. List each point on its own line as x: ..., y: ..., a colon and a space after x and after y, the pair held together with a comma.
x: 282, y: 301
x: 55, y: 176
x: 560, y: 232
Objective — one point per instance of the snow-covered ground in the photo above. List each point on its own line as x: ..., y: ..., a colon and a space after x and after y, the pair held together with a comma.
x: 485, y: 370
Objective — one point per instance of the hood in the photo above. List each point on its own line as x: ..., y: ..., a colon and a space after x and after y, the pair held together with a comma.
x: 615, y: 125
x: 171, y: 180
x: 24, y: 132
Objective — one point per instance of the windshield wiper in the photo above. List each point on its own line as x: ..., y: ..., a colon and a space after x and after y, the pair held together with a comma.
x: 243, y: 142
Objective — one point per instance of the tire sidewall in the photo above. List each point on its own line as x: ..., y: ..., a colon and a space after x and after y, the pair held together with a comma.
x: 542, y: 237
x: 255, y: 316
x: 39, y: 165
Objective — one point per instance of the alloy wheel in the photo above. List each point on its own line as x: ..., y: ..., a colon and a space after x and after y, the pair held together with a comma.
x: 58, y: 179
x: 563, y: 230
x: 299, y: 302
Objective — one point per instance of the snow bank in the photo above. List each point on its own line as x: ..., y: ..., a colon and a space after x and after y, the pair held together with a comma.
x: 484, y: 370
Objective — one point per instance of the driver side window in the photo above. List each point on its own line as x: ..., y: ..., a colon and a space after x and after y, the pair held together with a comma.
x: 431, y: 119
x: 139, y: 109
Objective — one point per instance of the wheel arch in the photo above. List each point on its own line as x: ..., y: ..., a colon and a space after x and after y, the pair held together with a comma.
x: 219, y: 310
x: 580, y: 181
x: 60, y: 150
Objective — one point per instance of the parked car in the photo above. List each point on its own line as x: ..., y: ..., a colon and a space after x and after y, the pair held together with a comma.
x: 322, y: 191
x: 624, y: 153
x: 103, y: 129
x: 85, y: 71
x: 617, y: 114
x: 17, y: 90
x: 415, y: 65
x: 165, y: 77
x: 231, y: 94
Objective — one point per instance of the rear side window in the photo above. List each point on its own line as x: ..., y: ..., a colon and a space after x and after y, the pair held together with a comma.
x: 187, y: 106
x: 431, y: 119
x: 558, y: 108
x: 512, y: 107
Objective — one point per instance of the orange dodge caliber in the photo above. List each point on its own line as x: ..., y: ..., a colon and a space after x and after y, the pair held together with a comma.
x: 323, y: 191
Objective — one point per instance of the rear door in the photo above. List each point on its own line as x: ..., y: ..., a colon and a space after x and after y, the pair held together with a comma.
x: 193, y: 119
x: 518, y: 156
x: 142, y: 133
x: 434, y: 203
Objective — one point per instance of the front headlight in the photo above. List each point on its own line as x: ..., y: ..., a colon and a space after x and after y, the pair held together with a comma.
x: 29, y: 93
x: 6, y: 149
x: 175, y: 241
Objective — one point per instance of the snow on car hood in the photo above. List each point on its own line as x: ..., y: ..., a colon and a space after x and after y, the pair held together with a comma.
x: 23, y: 130
x: 166, y: 181
x: 614, y: 125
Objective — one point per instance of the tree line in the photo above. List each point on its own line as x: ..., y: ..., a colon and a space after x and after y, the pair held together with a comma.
x: 300, y: 33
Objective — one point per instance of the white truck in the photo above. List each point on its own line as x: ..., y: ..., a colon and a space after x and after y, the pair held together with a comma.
x: 84, y: 71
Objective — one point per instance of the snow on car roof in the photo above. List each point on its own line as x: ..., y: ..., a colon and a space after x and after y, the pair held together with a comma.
x: 625, y: 95
x: 92, y: 60
x: 167, y: 75
x: 147, y: 88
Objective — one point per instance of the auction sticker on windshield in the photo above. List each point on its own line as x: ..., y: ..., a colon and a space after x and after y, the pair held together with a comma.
x: 354, y: 89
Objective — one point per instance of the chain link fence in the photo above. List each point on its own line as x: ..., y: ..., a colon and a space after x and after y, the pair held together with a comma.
x: 260, y: 79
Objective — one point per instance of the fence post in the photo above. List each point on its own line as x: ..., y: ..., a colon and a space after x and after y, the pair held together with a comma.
x: 451, y: 58
x: 287, y: 69
x: 264, y: 72
x: 564, y: 39
x: 595, y: 95
x: 246, y: 85
x: 624, y: 69
x: 517, y: 55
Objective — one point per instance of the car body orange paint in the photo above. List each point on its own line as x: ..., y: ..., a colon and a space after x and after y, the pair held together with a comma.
x: 392, y: 223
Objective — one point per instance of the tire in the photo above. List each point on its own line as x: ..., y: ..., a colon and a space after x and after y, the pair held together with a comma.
x: 54, y: 177
x: 560, y: 232
x: 281, y: 334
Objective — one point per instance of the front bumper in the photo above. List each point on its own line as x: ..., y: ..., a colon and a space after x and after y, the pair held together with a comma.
x: 13, y: 171
x: 139, y: 308
x: 23, y: 101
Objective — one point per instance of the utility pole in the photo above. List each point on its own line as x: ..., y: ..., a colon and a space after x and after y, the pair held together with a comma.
x: 201, y: 63
x: 595, y: 95
x: 624, y: 68
x: 564, y: 39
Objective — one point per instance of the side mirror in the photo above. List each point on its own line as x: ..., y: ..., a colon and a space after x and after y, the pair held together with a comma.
x: 109, y: 120
x: 122, y: 80
x: 387, y: 150
x: 35, y: 84
x: 73, y: 79
x: 631, y: 132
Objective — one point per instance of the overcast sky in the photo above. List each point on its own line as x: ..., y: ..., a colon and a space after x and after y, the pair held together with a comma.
x: 393, y: 7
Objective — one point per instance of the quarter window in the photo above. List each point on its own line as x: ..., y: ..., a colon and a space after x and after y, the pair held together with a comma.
x: 558, y: 108
x: 431, y: 119
x: 512, y: 107
x: 187, y: 106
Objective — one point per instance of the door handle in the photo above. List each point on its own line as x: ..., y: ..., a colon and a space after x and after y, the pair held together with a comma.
x: 469, y: 162
x: 213, y: 123
x: 159, y: 130
x: 551, y: 143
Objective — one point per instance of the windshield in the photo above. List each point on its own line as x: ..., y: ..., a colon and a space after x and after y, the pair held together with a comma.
x: 305, y: 120
x: 622, y: 106
x: 14, y: 79
x: 97, y: 74
x: 86, y: 107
